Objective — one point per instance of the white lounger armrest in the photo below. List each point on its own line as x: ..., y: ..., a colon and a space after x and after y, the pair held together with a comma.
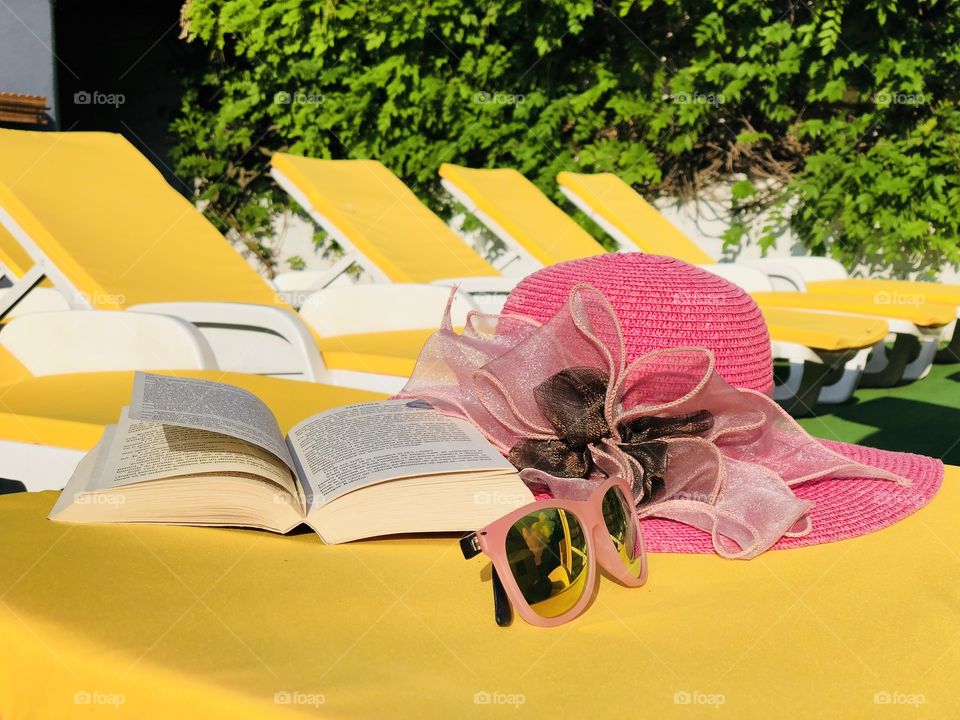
x: 807, y: 269
x: 382, y: 307
x: 38, y: 467
x: 39, y: 299
x: 748, y: 278
x: 488, y: 293
x: 250, y: 338
x: 53, y: 343
x: 482, y: 285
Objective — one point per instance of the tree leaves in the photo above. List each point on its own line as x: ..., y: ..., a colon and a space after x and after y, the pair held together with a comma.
x: 841, y: 118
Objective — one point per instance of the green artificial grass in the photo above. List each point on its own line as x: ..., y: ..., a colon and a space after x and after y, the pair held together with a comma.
x: 920, y: 417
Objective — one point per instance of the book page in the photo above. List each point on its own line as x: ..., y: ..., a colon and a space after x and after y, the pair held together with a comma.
x: 207, y: 405
x: 83, y: 478
x: 356, y: 445
x: 136, y: 451
x: 228, y: 494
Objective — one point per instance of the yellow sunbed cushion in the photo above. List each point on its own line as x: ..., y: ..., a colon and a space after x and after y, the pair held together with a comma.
x: 386, y: 353
x: 891, y: 292
x: 14, y: 260
x: 824, y: 331
x: 623, y: 207
x: 643, y: 224
x: 382, y: 217
x: 525, y: 213
x: 922, y: 314
x: 206, y: 622
x: 12, y: 256
x: 33, y: 430
x: 103, y: 214
x: 95, y: 399
x: 11, y: 369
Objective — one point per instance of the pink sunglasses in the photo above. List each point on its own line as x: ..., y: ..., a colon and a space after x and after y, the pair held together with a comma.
x: 545, y: 554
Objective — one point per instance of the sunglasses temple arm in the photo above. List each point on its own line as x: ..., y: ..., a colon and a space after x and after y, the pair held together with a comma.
x: 470, y: 547
x: 501, y: 604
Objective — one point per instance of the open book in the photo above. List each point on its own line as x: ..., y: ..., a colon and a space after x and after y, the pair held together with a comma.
x: 195, y: 452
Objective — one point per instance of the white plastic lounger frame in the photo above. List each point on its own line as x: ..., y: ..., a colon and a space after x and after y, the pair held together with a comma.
x: 254, y: 339
x: 854, y: 361
x: 295, y: 287
x: 792, y: 273
x: 39, y: 299
x: 372, y: 308
x: 76, y: 341
x: 376, y: 308
x: 753, y: 280
x: 38, y: 467
x: 244, y: 336
x: 249, y: 325
x: 41, y: 269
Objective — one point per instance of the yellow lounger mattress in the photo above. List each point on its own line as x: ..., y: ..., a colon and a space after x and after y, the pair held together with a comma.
x: 203, y: 622
x: 382, y: 217
x: 647, y: 228
x: 824, y: 331
x: 891, y: 291
x: 517, y: 205
x: 91, y: 400
x: 922, y: 314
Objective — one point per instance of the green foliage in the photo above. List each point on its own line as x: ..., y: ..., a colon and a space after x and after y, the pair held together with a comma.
x: 840, y: 116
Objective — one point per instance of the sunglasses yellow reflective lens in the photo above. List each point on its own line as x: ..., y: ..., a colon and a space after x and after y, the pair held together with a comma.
x: 547, y: 553
x: 620, y: 525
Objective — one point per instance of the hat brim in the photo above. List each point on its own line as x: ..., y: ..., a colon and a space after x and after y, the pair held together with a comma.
x: 842, y: 508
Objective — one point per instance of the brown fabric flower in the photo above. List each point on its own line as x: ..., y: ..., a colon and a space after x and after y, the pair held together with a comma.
x: 572, y: 400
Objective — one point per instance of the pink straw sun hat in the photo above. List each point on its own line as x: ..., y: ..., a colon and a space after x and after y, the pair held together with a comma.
x: 664, y: 303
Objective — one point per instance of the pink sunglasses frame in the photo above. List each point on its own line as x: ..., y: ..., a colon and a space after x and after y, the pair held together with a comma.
x: 491, y: 541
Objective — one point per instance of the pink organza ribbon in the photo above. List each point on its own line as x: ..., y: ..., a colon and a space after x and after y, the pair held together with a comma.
x: 732, y: 482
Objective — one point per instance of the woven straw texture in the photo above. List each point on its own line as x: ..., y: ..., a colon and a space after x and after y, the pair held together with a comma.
x: 841, y: 508
x: 662, y: 302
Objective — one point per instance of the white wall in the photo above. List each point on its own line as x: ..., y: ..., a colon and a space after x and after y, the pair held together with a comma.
x: 26, y: 50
